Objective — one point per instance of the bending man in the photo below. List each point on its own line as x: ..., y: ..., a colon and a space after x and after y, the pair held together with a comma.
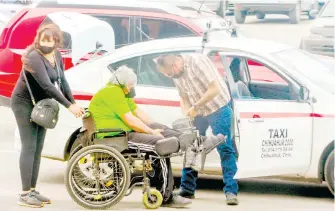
x: 202, y: 96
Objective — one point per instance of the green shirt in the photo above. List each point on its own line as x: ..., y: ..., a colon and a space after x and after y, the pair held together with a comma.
x: 108, y: 105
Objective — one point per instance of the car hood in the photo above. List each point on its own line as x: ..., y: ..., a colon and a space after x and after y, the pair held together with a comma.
x: 327, y: 60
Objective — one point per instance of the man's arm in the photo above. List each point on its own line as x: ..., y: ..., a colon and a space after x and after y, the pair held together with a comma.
x: 143, y: 116
x: 212, y: 91
x: 135, y: 123
x: 184, y: 103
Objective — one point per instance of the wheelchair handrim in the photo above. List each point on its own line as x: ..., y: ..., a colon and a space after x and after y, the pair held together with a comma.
x: 72, y: 183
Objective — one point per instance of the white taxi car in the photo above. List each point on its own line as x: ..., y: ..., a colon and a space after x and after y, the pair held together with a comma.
x: 285, y: 129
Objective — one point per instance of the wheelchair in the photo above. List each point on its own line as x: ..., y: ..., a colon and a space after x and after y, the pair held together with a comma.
x: 108, y: 167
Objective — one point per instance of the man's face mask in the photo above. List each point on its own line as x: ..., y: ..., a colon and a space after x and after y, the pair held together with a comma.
x: 175, y: 72
x: 131, y: 93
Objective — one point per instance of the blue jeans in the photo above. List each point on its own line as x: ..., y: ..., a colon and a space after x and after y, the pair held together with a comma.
x: 220, y: 122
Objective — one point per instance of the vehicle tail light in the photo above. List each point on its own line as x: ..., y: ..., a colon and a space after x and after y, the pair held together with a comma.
x: 3, y: 37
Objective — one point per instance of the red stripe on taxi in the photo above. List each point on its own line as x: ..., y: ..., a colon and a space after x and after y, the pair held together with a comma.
x: 141, y: 101
x: 243, y: 115
x: 249, y: 115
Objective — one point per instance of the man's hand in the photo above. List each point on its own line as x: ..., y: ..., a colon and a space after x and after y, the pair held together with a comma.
x: 157, y: 132
x: 192, y: 112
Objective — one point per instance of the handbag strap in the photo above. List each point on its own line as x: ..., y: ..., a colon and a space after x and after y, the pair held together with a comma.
x: 28, y: 86
x: 29, y: 89
x: 58, y: 73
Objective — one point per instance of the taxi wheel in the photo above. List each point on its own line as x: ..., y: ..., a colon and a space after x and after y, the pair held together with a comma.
x: 240, y: 16
x: 76, y: 146
x: 260, y: 16
x: 153, y: 202
x: 294, y: 15
x: 329, y: 172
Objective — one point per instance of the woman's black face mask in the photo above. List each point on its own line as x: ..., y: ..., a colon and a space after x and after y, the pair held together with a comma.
x: 131, y: 93
x: 46, y: 49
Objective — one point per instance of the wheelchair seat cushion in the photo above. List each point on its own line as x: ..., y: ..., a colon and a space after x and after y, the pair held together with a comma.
x: 167, y: 146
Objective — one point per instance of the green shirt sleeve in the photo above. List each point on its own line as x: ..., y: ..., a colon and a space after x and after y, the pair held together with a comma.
x: 132, y: 104
x: 116, y: 101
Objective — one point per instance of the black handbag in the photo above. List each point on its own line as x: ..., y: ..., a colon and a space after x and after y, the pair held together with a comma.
x: 45, y: 112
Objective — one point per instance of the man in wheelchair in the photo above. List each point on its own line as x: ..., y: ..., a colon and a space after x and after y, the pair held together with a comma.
x: 113, y: 107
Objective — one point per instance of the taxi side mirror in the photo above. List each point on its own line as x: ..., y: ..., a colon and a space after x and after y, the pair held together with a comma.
x: 304, y: 93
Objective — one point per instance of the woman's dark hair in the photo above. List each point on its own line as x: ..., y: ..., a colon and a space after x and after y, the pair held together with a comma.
x: 235, y: 69
x: 51, y: 31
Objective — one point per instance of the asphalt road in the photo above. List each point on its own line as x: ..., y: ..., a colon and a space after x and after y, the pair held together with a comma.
x: 257, y: 195
x: 276, y: 28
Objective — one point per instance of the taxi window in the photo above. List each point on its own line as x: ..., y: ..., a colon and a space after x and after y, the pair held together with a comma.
x: 131, y: 63
x: 149, y: 29
x: 148, y: 74
x: 146, y: 70
x: 216, y: 59
x: 266, y: 83
x: 121, y: 27
x: 258, y: 72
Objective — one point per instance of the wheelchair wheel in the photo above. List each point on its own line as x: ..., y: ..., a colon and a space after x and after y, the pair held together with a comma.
x: 154, y: 201
x: 97, y: 177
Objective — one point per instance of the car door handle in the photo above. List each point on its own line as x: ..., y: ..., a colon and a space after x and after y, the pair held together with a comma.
x: 256, y: 120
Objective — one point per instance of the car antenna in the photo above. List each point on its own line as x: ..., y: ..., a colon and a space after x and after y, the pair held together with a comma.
x: 205, y: 37
x: 201, y: 6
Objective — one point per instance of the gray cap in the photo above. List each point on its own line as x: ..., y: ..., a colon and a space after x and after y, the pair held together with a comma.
x: 123, y: 75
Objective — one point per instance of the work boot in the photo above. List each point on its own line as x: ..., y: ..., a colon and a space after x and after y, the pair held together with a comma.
x: 185, y: 194
x: 177, y: 202
x: 231, y: 199
x: 29, y: 200
x: 211, y: 142
x: 40, y: 197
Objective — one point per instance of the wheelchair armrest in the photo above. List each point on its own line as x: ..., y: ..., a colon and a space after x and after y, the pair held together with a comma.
x: 108, y: 130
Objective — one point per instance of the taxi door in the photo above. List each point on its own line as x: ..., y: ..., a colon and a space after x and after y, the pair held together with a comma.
x: 275, y: 135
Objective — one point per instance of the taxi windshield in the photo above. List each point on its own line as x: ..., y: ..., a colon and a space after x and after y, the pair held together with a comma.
x: 328, y: 10
x: 316, y: 70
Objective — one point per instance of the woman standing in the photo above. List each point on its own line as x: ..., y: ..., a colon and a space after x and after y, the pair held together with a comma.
x: 40, y: 63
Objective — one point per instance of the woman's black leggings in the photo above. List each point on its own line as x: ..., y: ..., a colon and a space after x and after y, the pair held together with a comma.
x: 32, y: 139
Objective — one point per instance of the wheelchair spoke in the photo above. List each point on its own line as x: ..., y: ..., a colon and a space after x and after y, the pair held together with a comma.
x: 98, y: 177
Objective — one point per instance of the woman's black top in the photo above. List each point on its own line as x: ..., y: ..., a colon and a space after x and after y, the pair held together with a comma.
x: 43, y: 79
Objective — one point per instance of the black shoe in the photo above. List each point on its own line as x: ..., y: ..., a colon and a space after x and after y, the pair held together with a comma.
x: 231, y: 199
x: 184, y: 194
x: 178, y: 202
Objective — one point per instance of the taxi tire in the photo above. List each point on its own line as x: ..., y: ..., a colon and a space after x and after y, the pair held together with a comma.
x: 260, y: 16
x: 76, y: 146
x: 240, y: 16
x: 329, y: 171
x: 294, y: 15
